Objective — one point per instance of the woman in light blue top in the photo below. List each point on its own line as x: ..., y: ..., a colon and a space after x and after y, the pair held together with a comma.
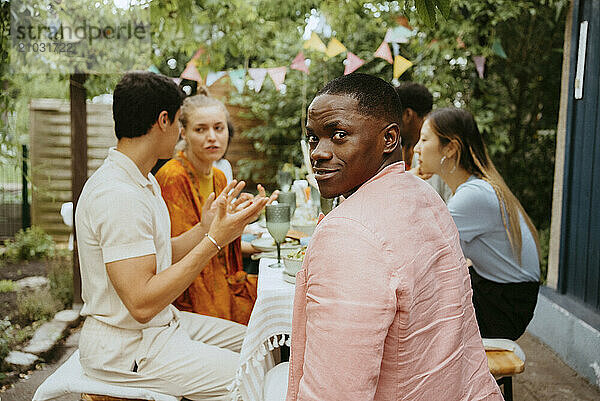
x: 495, y: 232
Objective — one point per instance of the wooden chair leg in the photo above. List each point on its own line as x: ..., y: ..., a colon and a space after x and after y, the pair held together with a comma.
x: 95, y: 397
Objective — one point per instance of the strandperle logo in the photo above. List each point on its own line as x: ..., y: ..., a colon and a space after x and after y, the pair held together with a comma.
x: 82, y: 31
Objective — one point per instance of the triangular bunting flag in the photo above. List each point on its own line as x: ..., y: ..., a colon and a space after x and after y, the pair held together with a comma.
x: 399, y: 34
x: 191, y: 72
x: 213, y: 77
x: 176, y: 80
x: 277, y: 74
x: 258, y: 76
x: 479, y: 65
x: 400, y: 65
x: 237, y: 79
x: 198, y: 53
x: 383, y: 51
x: 154, y: 69
x: 402, y: 20
x: 497, y: 48
x: 334, y: 48
x: 353, y: 63
x: 315, y: 43
x: 299, y: 63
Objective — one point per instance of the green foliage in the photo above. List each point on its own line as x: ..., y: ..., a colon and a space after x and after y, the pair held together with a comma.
x: 12, y: 336
x: 545, y: 250
x: 4, y: 340
x: 516, y: 104
x: 36, y: 306
x: 60, y: 274
x: 29, y: 244
x: 7, y: 286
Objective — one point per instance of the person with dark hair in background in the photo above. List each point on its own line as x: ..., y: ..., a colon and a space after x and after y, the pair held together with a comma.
x: 382, y: 308
x: 495, y: 232
x: 417, y: 102
x: 132, y: 270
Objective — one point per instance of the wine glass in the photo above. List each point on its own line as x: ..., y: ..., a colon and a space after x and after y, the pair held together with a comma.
x: 284, y: 179
x: 288, y: 198
x: 278, y: 224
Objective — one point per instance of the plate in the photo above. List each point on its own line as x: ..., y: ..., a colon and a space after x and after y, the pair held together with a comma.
x: 265, y: 244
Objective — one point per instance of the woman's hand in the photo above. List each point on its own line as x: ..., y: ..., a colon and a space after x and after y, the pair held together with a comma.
x: 209, y: 210
x: 229, y: 220
x: 417, y: 171
x: 245, y: 198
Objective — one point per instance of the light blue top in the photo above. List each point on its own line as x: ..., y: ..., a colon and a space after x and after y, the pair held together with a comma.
x: 476, y: 212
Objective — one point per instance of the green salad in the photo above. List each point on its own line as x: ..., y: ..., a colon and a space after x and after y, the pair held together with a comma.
x: 297, y: 255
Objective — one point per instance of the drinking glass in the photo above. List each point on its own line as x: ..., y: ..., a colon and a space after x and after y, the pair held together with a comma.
x: 288, y: 198
x: 326, y: 205
x: 278, y: 224
x: 284, y: 179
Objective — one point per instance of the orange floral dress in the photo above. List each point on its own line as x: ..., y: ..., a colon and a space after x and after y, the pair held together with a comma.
x: 222, y: 289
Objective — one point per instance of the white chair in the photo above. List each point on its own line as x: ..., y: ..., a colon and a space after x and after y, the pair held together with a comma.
x: 69, y: 378
x: 276, y: 382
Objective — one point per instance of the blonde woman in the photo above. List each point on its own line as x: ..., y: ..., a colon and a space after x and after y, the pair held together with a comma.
x: 222, y: 289
x: 495, y: 232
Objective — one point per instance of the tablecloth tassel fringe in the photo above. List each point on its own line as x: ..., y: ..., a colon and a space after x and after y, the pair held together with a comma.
x: 282, y: 341
x: 288, y: 341
x: 270, y: 344
x: 234, y: 388
x: 263, y: 350
x: 275, y: 340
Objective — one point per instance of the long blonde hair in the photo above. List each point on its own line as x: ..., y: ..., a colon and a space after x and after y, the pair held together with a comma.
x: 458, y: 125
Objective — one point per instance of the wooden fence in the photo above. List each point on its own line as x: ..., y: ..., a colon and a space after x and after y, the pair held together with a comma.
x: 50, y: 153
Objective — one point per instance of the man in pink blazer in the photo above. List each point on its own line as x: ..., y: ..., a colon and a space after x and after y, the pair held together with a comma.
x: 382, y: 309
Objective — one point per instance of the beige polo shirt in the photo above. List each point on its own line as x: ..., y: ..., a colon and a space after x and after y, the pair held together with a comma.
x: 120, y: 215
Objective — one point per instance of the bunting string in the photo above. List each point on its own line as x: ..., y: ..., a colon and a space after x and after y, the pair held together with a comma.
x: 393, y: 36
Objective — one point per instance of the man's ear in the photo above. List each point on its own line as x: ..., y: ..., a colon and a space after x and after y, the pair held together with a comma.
x: 407, y: 116
x: 391, y: 138
x: 163, y: 120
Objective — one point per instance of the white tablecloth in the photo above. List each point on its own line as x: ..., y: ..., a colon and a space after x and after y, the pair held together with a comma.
x: 269, y: 327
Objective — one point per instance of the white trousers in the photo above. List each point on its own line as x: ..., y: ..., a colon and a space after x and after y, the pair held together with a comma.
x: 194, y: 356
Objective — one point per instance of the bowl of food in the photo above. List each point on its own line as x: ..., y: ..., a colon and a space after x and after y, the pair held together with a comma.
x: 293, y: 261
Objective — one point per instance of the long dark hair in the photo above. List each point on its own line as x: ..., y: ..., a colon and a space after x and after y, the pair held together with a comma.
x: 457, y: 125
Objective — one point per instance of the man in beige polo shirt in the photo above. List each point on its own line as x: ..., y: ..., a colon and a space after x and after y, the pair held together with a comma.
x: 132, y: 270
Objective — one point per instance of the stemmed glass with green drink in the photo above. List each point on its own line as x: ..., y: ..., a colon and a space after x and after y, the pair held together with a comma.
x: 288, y: 198
x: 278, y: 224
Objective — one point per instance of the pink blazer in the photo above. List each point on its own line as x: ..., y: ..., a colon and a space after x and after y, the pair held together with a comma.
x: 382, y: 309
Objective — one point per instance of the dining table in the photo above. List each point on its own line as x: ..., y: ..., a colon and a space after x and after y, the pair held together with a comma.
x: 269, y: 327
